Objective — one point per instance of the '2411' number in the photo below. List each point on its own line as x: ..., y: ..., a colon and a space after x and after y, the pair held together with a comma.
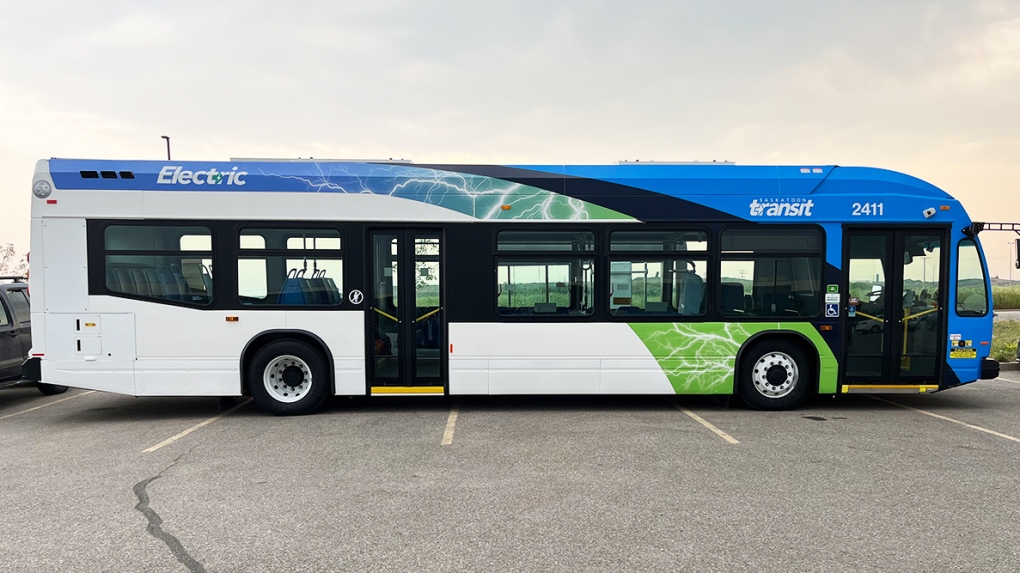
x: 868, y: 209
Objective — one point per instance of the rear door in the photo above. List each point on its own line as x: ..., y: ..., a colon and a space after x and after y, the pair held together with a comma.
x: 406, y: 322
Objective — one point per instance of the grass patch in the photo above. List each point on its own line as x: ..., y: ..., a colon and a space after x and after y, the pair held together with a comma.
x: 1005, y: 334
x: 1006, y: 297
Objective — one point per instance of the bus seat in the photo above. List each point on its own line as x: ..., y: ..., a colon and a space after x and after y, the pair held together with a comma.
x: 545, y: 308
x: 692, y: 294
x: 154, y: 283
x: 656, y: 307
x: 171, y: 287
x: 807, y: 304
x: 112, y: 282
x: 732, y: 298
x: 629, y: 310
x: 332, y: 291
x: 124, y: 282
x: 138, y: 282
x: 292, y: 292
x: 908, y: 298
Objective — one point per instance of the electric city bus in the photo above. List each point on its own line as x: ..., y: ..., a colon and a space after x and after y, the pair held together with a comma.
x: 291, y: 281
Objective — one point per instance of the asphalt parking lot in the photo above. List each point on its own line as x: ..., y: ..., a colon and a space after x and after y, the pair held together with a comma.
x: 99, y: 482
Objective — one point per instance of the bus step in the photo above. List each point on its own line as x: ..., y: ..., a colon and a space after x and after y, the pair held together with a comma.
x: 408, y: 391
x: 890, y: 388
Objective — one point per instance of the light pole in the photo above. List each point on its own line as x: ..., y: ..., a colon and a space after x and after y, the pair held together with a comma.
x: 167, y: 138
x: 1010, y: 245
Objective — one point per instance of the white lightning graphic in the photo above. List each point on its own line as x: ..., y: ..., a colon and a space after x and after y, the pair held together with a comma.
x: 481, y: 197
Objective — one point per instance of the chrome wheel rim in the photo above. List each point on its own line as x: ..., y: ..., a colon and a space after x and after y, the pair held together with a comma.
x: 775, y: 374
x: 287, y: 378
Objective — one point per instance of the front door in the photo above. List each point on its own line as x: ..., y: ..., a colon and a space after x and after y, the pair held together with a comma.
x: 894, y: 301
x: 406, y: 322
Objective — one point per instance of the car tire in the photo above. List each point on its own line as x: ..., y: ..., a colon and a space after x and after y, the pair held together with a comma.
x: 288, y: 378
x: 50, y: 389
x: 774, y: 376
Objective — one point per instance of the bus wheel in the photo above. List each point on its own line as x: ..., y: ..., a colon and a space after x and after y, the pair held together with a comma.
x: 288, y: 378
x: 774, y: 376
x: 50, y: 389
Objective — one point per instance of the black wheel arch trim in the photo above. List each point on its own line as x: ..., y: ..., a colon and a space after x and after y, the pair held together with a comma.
x: 281, y: 334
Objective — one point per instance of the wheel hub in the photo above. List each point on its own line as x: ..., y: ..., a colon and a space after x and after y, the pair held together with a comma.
x: 287, y: 379
x: 293, y: 376
x: 775, y: 374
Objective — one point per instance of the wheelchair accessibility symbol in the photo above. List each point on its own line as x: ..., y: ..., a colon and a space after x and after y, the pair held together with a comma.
x: 831, y: 310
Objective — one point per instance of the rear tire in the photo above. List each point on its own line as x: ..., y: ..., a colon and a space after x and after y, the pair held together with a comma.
x: 50, y: 389
x: 775, y: 376
x: 288, y: 378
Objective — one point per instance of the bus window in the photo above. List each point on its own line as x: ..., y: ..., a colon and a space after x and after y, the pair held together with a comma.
x: 771, y: 282
x: 545, y: 288
x: 159, y: 262
x: 291, y: 267
x: 971, y: 293
x: 657, y: 287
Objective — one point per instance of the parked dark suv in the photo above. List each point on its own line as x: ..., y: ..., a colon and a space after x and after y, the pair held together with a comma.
x: 16, y: 332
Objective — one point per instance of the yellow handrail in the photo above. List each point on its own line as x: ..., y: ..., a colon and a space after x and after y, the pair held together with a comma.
x: 427, y: 314
x: 859, y: 313
x: 389, y: 316
x: 913, y: 316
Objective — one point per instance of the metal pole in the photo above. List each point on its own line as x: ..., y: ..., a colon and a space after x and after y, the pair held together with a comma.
x: 1010, y: 244
x: 167, y: 138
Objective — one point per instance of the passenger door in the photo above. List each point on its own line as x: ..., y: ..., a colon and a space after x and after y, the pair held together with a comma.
x: 405, y: 319
x: 893, y: 299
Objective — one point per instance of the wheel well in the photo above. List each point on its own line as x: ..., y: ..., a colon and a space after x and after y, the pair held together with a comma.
x: 792, y: 337
x: 261, y: 340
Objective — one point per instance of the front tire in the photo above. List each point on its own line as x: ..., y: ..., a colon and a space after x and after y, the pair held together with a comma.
x: 288, y: 378
x: 50, y: 389
x: 775, y: 376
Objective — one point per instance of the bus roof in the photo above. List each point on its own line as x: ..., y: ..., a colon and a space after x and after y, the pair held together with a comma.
x: 642, y: 191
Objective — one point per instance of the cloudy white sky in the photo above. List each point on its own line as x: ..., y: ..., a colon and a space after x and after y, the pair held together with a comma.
x: 928, y: 87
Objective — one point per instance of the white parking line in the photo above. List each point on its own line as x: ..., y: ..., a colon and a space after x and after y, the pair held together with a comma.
x: 1008, y: 380
x: 948, y: 419
x: 451, y: 423
x: 705, y: 423
x: 173, y: 439
x: 47, y: 404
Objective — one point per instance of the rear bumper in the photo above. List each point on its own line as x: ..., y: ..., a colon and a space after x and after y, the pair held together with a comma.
x: 31, y: 369
x: 989, y: 369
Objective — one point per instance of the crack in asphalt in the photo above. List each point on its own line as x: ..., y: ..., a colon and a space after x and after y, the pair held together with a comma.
x: 155, y: 526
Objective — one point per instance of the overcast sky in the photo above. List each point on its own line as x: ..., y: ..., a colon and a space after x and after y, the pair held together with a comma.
x: 930, y: 88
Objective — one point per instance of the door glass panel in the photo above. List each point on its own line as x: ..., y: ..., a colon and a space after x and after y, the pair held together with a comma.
x: 919, y: 302
x: 428, y: 311
x: 867, y: 318
x: 384, y: 321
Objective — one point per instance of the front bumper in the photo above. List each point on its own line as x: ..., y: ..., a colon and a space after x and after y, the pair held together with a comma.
x: 989, y: 369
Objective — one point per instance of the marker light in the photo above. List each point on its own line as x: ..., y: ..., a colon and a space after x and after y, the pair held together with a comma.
x: 42, y: 189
